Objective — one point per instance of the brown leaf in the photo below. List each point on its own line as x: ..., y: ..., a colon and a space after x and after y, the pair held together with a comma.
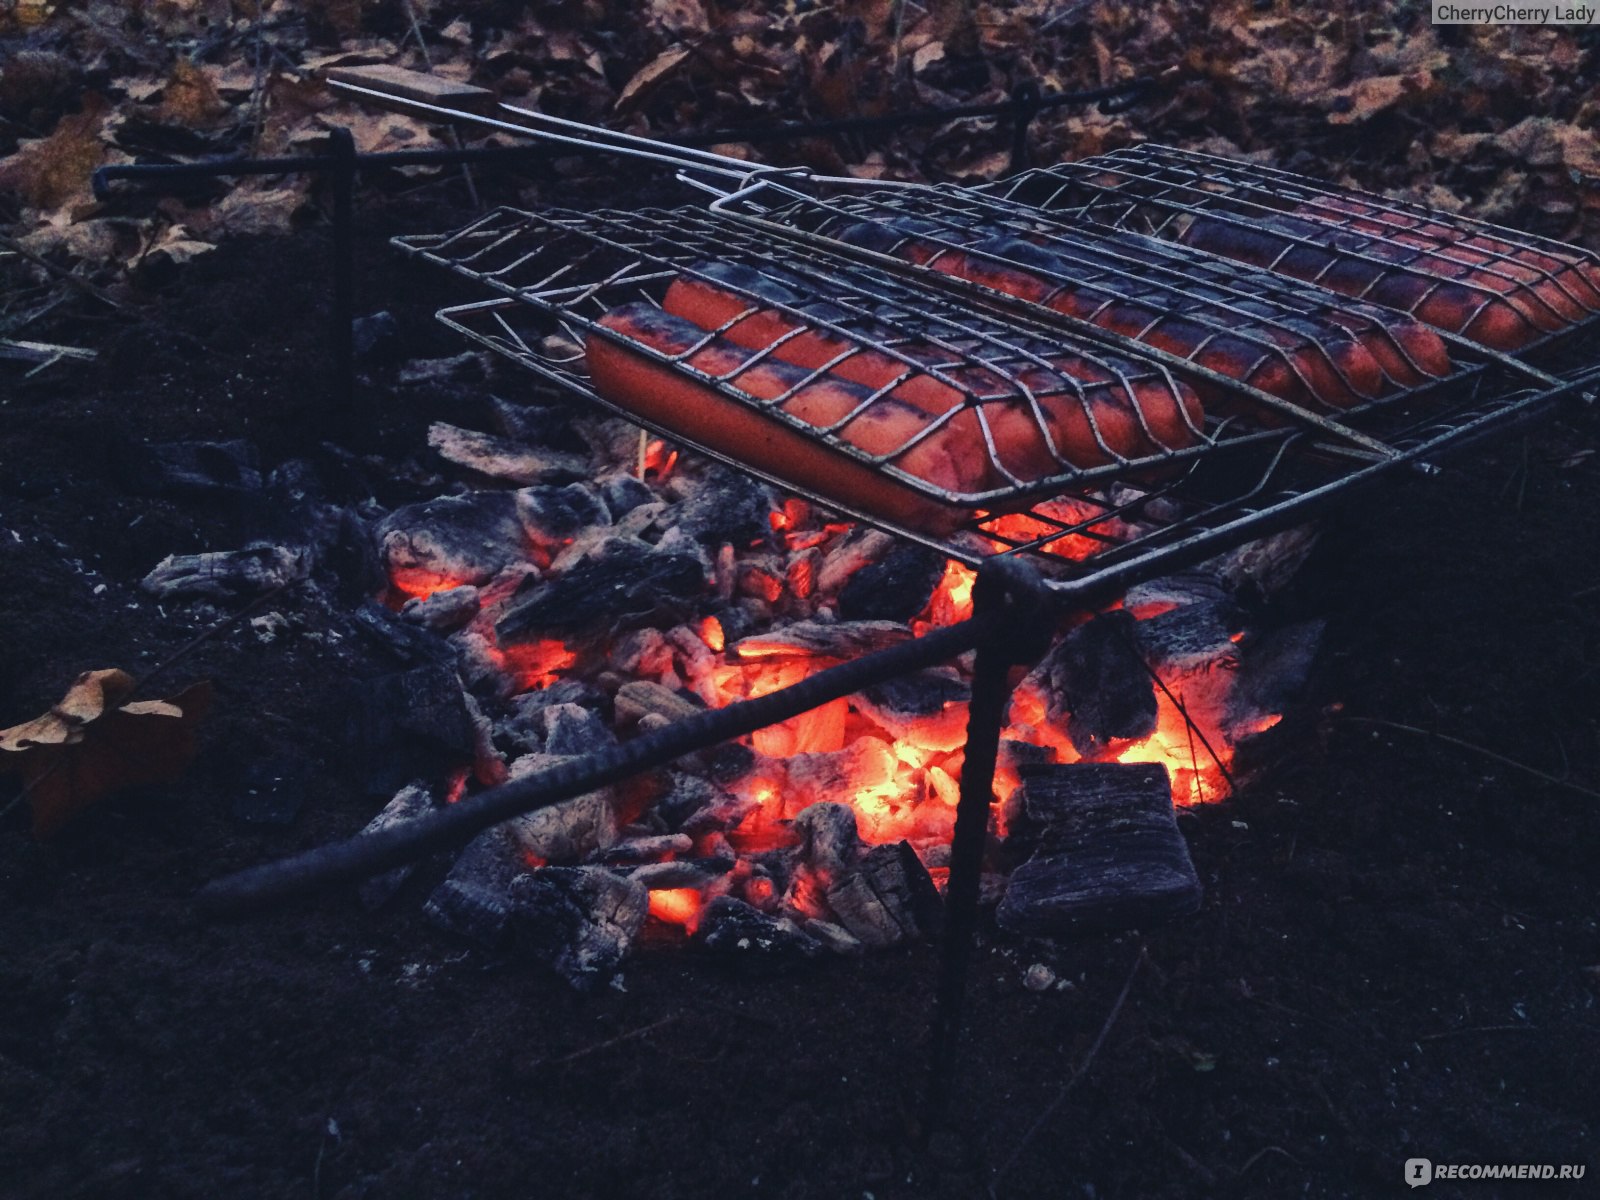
x: 652, y: 73
x: 92, y: 744
x: 1369, y: 97
x: 47, y: 172
x: 190, y: 98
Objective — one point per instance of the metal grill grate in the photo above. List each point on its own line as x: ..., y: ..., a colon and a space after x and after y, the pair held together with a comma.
x: 559, y: 273
x: 1528, y: 289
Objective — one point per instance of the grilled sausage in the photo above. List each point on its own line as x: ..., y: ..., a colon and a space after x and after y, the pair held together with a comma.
x: 677, y: 401
x: 1551, y: 289
x: 1295, y: 359
x: 1092, y: 417
x: 1387, y: 273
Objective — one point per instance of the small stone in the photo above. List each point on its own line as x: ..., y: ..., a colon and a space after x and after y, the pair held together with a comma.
x: 1038, y: 978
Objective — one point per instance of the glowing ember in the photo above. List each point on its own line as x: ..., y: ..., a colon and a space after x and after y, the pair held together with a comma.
x: 676, y: 906
x: 537, y: 664
x: 420, y: 584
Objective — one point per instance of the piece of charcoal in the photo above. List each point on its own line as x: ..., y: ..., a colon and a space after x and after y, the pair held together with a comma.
x: 524, y: 727
x: 551, y: 515
x: 634, y: 584
x: 829, y: 841
x: 503, y: 459
x: 537, y: 425
x: 454, y: 539
x: 474, y: 901
x: 698, y: 874
x: 686, y: 795
x: 821, y: 639
x: 928, y: 708
x: 412, y: 644
x: 227, y: 574
x: 889, y: 897
x: 727, y: 506
x: 638, y: 850
x: 409, y: 803
x: 570, y: 729
x: 1098, y: 679
x: 732, y: 929
x: 1109, y: 854
x: 623, y: 494
x: 895, y: 588
x: 581, y: 921
x: 445, y: 610
x: 412, y: 724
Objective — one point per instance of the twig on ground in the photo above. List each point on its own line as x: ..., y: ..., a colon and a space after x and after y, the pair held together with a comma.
x: 1072, y: 1081
x: 1476, y: 749
x: 631, y: 1035
x: 73, y: 280
x: 1471, y: 1029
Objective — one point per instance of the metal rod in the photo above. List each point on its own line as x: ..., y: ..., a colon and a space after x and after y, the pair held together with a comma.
x: 358, y: 857
x: 1006, y: 595
x: 354, y: 421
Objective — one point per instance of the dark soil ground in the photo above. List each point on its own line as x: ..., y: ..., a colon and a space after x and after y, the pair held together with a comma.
x: 1398, y: 955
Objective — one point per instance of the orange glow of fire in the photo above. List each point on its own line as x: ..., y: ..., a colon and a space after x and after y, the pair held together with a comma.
x: 711, y: 634
x: 415, y: 582
x: 676, y: 906
x: 1015, y: 528
x: 536, y: 664
x: 657, y: 459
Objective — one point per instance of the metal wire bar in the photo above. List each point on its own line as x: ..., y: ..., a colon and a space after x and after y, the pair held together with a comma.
x: 367, y: 854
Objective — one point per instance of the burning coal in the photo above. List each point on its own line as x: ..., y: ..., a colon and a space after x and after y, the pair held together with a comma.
x: 588, y: 612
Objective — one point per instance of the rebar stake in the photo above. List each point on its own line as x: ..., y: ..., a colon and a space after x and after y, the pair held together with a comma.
x: 1015, y: 605
x: 355, y: 423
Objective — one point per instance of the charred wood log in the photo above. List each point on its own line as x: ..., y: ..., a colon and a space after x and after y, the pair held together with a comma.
x: 896, y: 587
x: 502, y: 459
x: 732, y: 929
x: 409, y: 803
x: 582, y: 921
x: 633, y: 584
x: 1098, y: 686
x: 413, y: 725
x: 1109, y: 853
x: 888, y: 898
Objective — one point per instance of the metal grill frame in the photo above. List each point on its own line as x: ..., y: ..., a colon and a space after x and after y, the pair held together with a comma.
x: 1162, y: 188
x: 1136, y: 531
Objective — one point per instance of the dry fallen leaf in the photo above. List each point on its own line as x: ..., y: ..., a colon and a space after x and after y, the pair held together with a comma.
x: 91, y: 745
x: 48, y: 171
x: 651, y: 73
x: 191, y: 99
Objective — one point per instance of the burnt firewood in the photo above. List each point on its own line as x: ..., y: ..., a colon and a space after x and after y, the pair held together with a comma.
x: 460, y: 539
x: 1098, y: 687
x: 634, y: 851
x: 737, y: 931
x: 411, y: 644
x: 572, y: 730
x: 1195, y: 637
x: 633, y: 584
x: 624, y: 493
x: 1273, y: 670
x: 722, y: 814
x: 474, y: 901
x: 551, y: 515
x: 888, y: 898
x: 928, y: 708
x: 412, y: 724
x: 857, y: 550
x: 727, y: 506
x: 502, y: 459
x: 819, y: 639
x: 896, y: 587
x: 1109, y: 854
x: 408, y: 803
x: 228, y: 574
x: 581, y: 921
x: 830, y: 843
x: 686, y: 796
x: 444, y: 611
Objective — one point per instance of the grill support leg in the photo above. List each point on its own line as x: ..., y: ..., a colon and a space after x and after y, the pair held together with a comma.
x: 353, y: 422
x: 1022, y: 627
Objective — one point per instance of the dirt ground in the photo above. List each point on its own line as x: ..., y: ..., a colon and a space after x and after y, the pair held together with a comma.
x: 1398, y: 956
